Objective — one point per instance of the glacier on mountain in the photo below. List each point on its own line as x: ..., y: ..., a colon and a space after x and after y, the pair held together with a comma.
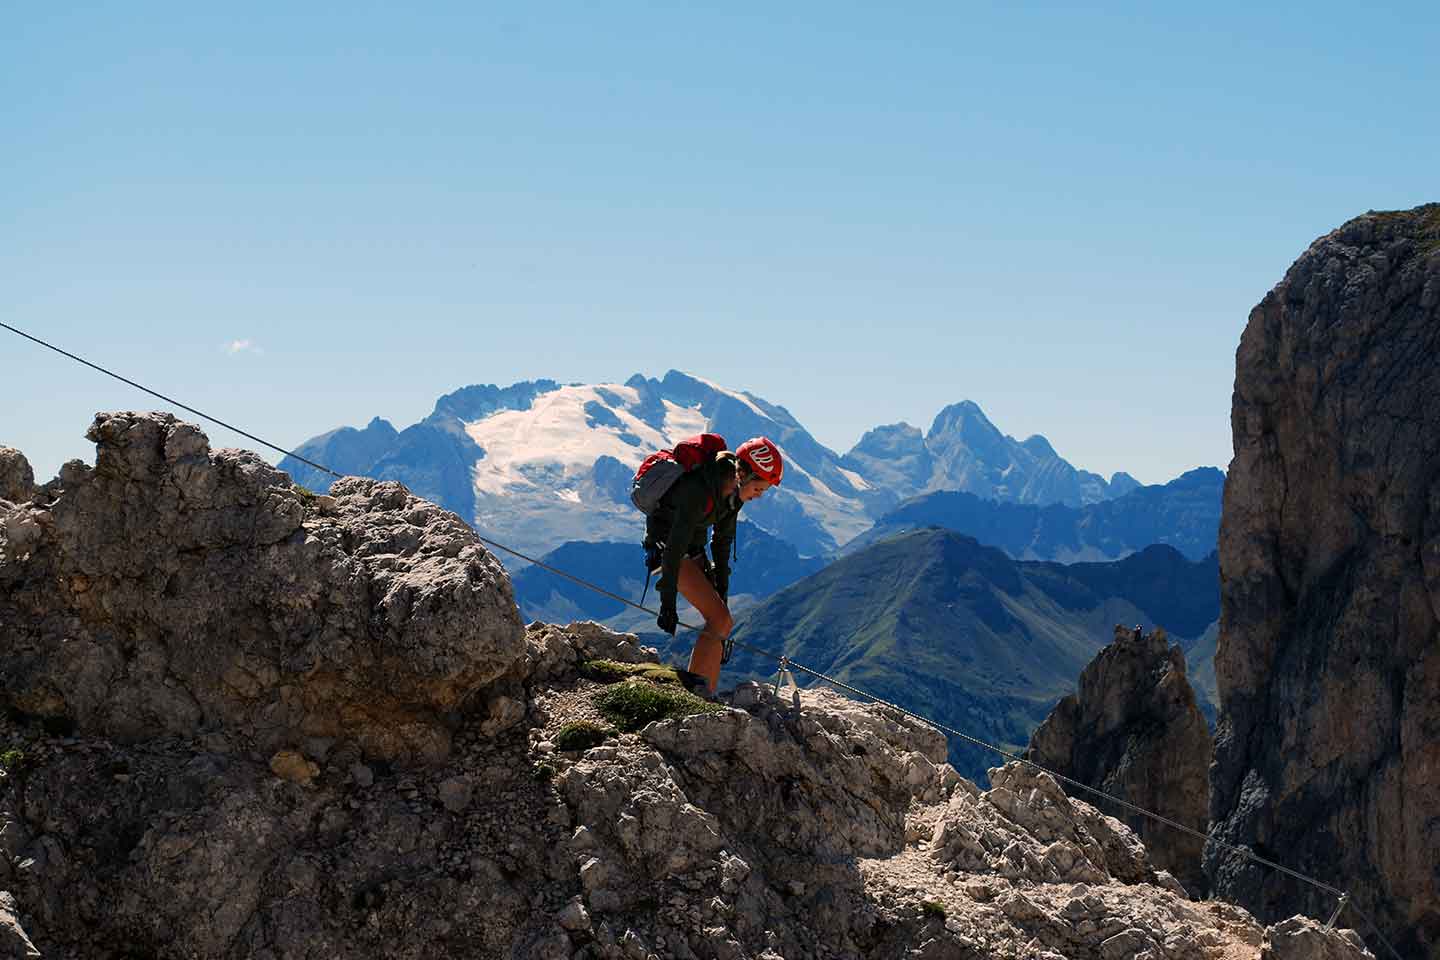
x: 539, y: 463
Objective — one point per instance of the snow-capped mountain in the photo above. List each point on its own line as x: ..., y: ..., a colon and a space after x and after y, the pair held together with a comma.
x: 538, y: 463
x: 965, y: 452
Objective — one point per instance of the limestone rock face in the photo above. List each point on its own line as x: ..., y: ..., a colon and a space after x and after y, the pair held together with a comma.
x: 831, y: 830
x: 14, y: 943
x: 1134, y: 729
x: 1301, y: 938
x: 174, y: 589
x: 1328, y: 742
x: 17, y: 480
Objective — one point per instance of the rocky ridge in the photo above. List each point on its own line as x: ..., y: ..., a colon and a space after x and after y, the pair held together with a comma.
x: 766, y: 827
x: 1134, y: 729
x: 1328, y: 661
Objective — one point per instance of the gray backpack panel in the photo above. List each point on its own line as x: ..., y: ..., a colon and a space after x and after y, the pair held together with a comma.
x: 646, y: 491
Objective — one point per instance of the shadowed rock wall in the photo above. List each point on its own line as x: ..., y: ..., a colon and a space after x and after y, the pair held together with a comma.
x: 1328, y: 743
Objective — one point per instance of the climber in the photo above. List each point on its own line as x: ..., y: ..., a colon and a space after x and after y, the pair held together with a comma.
x: 704, y: 486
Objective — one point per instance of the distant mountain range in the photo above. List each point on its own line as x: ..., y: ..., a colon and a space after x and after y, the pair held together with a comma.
x: 965, y: 451
x: 966, y: 634
x: 538, y: 464
x: 764, y: 565
x: 1184, y: 513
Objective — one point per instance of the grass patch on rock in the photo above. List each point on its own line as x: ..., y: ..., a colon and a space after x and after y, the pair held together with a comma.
x: 581, y: 735
x: 932, y: 908
x: 633, y: 704
x: 1428, y: 218
x: 11, y: 761
x: 1431, y: 221
x: 612, y: 671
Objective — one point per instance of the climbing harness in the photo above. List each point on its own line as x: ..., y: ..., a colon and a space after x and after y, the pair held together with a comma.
x: 786, y: 666
x: 654, y: 550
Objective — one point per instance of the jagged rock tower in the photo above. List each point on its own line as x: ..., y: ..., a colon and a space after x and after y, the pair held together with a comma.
x: 1134, y: 730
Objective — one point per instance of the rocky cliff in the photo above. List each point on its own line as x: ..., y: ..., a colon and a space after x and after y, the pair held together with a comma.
x: 1134, y: 729
x: 271, y: 725
x: 172, y: 590
x: 1328, y: 664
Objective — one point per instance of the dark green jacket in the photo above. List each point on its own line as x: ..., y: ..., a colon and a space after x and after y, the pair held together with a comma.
x: 680, y: 521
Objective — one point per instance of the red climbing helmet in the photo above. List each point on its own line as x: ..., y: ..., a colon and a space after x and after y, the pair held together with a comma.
x: 763, y: 458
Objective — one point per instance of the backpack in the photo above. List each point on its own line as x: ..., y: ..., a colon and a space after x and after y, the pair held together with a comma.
x: 660, y: 470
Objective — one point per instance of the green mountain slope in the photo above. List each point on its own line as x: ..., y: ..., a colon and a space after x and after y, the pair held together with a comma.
x: 964, y: 634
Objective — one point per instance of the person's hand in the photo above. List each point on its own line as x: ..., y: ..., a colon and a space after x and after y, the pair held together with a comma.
x: 668, y: 619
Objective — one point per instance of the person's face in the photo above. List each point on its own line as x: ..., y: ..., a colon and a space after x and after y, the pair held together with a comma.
x: 753, y: 488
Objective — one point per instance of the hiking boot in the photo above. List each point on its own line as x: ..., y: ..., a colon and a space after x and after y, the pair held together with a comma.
x: 695, y: 683
x: 689, y: 680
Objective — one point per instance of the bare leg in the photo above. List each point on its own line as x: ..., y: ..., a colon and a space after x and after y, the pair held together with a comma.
x: 710, y: 645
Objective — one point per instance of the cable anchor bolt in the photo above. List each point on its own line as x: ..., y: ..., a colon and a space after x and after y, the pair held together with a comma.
x: 783, y: 674
x: 1330, y: 924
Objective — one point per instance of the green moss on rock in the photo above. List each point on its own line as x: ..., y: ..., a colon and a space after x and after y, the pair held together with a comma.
x: 581, y: 735
x: 611, y: 671
x: 635, y: 703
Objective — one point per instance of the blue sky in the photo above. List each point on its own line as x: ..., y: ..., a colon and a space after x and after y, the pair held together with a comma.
x: 862, y: 212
